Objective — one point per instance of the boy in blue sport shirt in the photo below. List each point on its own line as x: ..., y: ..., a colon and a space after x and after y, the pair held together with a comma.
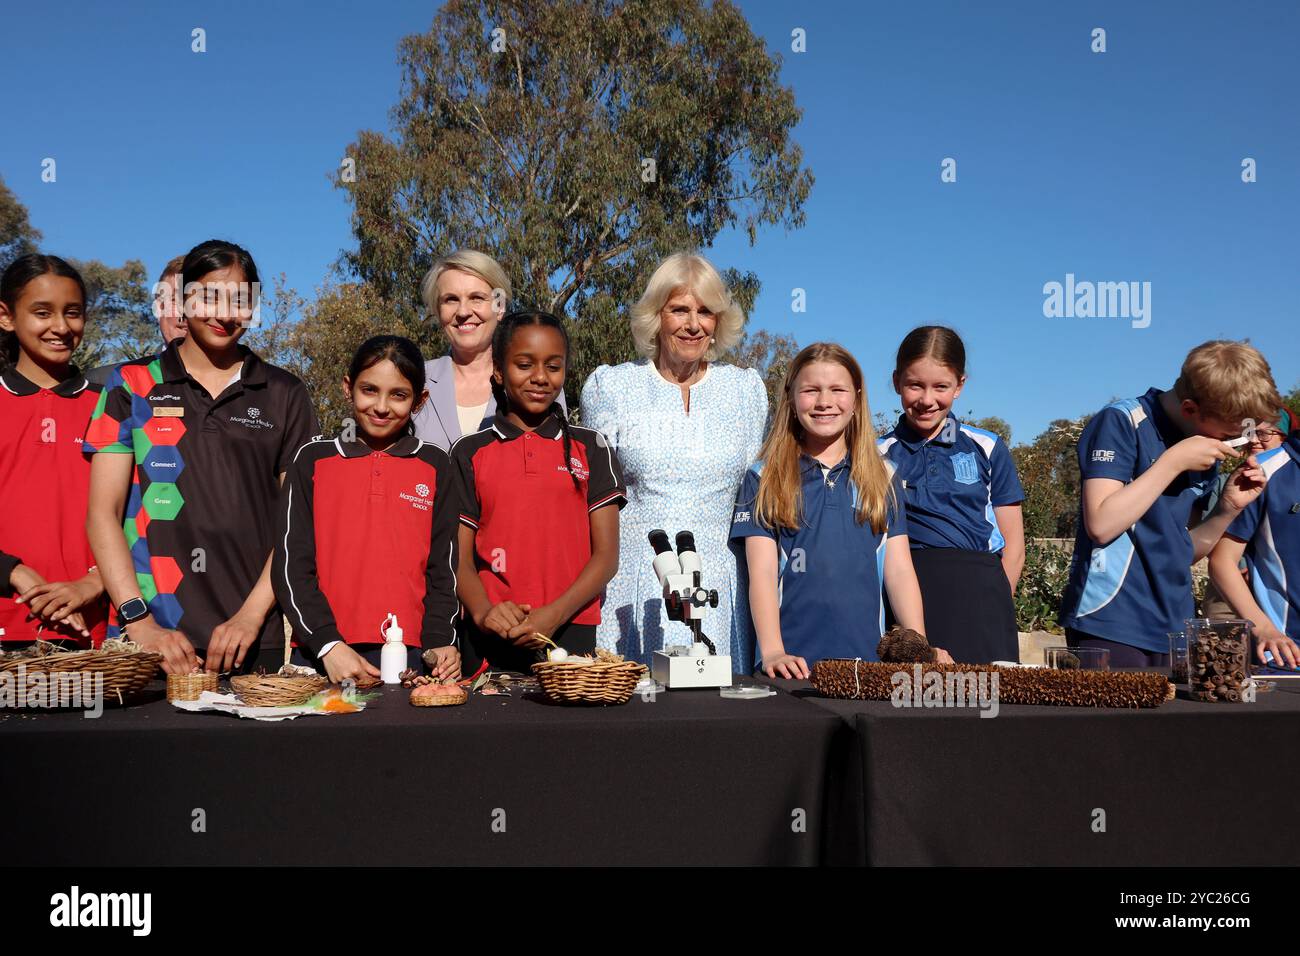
x: 1145, y: 463
x: 1267, y: 533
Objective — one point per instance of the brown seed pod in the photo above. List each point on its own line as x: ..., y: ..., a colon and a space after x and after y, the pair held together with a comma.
x: 869, y: 680
x: 903, y: 645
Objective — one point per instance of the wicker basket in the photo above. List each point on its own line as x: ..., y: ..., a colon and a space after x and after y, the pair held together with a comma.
x: 190, y: 686
x: 272, y: 690
x: 441, y: 700
x: 123, y: 672
x: 607, y: 680
x: 278, y: 690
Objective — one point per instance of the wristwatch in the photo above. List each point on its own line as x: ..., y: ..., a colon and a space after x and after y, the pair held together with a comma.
x: 132, y: 611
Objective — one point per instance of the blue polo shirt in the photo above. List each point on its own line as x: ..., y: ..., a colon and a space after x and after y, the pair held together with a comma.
x: 951, y: 484
x: 1137, y: 588
x: 831, y: 570
x: 1270, y: 526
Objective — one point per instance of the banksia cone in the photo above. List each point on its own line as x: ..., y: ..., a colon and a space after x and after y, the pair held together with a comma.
x: 903, y: 645
x: 868, y: 680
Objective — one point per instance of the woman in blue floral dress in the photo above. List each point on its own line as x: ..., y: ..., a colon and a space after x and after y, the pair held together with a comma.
x: 686, y: 428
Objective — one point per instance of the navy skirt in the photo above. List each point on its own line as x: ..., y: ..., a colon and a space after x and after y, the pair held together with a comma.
x: 969, y: 611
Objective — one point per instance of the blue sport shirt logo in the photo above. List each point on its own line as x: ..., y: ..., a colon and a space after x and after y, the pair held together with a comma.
x: 964, y: 468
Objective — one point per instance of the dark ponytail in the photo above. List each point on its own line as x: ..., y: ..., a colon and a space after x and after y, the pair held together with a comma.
x: 936, y: 342
x: 16, y: 277
x: 402, y: 352
x: 505, y: 331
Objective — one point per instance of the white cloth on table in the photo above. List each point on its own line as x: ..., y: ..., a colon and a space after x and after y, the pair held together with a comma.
x: 682, y: 472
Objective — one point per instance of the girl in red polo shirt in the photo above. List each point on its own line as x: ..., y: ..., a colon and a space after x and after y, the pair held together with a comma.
x: 52, y: 590
x: 367, y: 528
x: 537, y: 542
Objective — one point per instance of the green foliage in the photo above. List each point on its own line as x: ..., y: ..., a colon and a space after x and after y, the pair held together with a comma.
x: 1292, y: 402
x: 120, y: 322
x: 1042, y: 582
x: 769, y: 353
x: 997, y: 426
x: 275, y: 336
x: 578, y: 145
x: 17, y: 235
x: 1049, y: 473
x: 319, y: 347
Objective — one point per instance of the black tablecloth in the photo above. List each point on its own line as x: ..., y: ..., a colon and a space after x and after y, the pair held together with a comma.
x: 689, y: 778
x: 1184, y: 784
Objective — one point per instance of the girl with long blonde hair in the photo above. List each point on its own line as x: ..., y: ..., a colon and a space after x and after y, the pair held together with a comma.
x: 823, y: 526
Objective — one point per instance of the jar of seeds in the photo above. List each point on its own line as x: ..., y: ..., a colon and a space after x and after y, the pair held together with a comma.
x: 1218, y: 660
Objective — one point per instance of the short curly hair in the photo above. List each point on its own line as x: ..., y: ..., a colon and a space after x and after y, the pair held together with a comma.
x: 686, y: 272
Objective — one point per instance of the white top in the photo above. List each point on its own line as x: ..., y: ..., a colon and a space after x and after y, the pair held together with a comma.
x: 470, y: 416
x: 682, y: 473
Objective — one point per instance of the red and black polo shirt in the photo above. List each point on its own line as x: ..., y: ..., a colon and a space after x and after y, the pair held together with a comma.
x: 362, y: 534
x: 533, y: 533
x: 44, y: 484
x: 200, y: 513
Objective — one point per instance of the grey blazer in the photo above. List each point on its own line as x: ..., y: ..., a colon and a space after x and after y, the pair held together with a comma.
x: 437, y: 422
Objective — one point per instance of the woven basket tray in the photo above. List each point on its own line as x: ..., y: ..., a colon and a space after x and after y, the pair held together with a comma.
x: 190, y: 686
x: 124, y: 672
x: 870, y: 680
x: 441, y: 700
x: 272, y: 690
x: 601, y: 682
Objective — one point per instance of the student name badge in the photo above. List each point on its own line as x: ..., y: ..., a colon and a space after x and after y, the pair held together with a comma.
x: 162, y: 411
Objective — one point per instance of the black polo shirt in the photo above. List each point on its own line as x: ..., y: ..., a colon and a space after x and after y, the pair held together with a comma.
x: 201, y: 510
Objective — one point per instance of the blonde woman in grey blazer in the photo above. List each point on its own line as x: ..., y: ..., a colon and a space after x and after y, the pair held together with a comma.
x: 467, y: 293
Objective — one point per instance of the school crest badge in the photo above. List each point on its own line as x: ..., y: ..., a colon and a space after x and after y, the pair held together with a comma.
x: 964, y: 468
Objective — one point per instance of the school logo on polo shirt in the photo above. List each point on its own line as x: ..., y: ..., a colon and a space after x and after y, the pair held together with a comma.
x: 964, y: 468
x: 420, y: 501
x: 253, y: 419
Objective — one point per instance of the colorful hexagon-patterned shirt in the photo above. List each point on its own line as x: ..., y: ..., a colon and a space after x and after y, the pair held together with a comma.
x: 200, y: 513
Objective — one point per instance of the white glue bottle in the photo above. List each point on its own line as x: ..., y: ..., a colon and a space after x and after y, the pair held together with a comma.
x: 392, y: 659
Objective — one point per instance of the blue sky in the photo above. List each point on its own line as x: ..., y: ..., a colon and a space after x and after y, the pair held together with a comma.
x: 1117, y: 166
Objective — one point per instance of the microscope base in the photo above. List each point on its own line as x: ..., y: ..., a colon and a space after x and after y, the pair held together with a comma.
x: 692, y: 667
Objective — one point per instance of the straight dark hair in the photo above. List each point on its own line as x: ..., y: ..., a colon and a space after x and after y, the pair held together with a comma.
x: 16, y: 277
x: 402, y: 352
x: 213, y: 255
x: 505, y: 331
x: 936, y: 342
